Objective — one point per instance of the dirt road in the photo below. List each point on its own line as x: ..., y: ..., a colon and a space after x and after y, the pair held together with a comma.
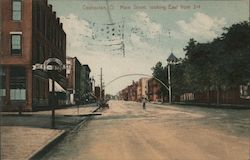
x: 127, y: 132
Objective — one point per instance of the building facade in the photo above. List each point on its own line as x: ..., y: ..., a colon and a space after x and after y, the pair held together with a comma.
x: 30, y: 34
x: 86, y: 84
x: 153, y: 90
x: 129, y: 93
x: 142, y: 91
x: 73, y: 76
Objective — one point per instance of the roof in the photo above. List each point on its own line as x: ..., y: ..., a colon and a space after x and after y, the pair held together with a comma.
x: 172, y: 58
x: 87, y: 67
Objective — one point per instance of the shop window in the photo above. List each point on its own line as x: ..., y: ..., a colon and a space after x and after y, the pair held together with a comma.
x: 17, y: 83
x: 2, y: 82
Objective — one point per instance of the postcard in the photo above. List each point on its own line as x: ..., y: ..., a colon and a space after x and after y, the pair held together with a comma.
x: 124, y: 79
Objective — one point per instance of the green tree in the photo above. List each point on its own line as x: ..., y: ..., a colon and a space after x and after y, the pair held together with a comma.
x: 237, y: 40
x: 160, y: 72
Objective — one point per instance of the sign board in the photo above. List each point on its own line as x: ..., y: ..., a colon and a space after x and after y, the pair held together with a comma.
x: 57, y: 66
x: 46, y: 66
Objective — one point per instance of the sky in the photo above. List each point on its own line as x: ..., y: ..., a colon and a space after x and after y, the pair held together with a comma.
x: 126, y: 37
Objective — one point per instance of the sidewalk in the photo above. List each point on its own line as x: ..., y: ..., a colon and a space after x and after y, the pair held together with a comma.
x: 26, y: 134
x: 212, y: 105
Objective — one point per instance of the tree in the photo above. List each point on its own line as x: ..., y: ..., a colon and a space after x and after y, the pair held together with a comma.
x: 160, y: 73
x: 220, y: 64
x: 237, y: 40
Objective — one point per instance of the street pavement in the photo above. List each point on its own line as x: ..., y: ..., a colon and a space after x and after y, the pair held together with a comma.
x: 23, y: 135
x: 127, y: 132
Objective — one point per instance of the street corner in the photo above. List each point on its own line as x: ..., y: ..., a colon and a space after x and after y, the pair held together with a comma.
x: 26, y: 142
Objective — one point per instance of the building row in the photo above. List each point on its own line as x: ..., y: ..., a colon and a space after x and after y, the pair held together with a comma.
x: 150, y: 88
x: 143, y: 88
x: 79, y: 88
x: 30, y: 34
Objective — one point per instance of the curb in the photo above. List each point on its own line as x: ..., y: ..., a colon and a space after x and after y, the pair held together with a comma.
x: 221, y: 106
x: 85, y: 120
x: 51, y: 143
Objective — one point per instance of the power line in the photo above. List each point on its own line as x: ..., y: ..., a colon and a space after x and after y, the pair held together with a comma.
x: 109, y: 14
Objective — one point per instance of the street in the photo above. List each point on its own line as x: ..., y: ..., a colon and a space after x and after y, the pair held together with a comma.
x: 126, y: 131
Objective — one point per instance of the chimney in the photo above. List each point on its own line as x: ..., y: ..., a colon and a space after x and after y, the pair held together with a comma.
x: 58, y: 20
x: 61, y: 25
x: 54, y: 14
x: 50, y: 7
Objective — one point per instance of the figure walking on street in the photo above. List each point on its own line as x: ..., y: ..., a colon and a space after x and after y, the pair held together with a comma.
x: 144, y: 103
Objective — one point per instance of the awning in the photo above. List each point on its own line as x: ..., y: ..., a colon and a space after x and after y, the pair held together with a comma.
x: 58, y: 88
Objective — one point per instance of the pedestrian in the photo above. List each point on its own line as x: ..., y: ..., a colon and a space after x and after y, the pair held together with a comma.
x: 144, y: 103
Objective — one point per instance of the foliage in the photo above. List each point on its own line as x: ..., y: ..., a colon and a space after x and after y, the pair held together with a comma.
x: 160, y: 73
x: 220, y: 64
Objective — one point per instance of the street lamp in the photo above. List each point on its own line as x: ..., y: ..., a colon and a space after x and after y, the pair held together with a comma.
x: 171, y: 60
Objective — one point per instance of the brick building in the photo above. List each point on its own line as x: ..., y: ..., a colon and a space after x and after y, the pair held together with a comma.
x: 79, y: 84
x: 30, y: 34
x: 130, y: 93
x: 73, y: 76
x: 86, y: 84
x: 123, y: 94
x: 153, y: 90
x: 142, y: 89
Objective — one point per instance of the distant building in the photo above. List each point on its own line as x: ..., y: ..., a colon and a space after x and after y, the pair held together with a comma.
x: 153, y: 90
x: 123, y: 94
x: 30, y: 34
x: 142, y: 91
x: 97, y: 93
x: 86, y: 85
x: 130, y: 92
x: 134, y: 91
x: 73, y: 76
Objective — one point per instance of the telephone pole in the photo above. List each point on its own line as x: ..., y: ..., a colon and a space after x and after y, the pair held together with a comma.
x: 101, y: 85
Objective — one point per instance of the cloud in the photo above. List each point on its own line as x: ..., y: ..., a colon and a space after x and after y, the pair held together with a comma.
x: 137, y: 41
x: 140, y: 55
x: 76, y: 30
x: 146, y: 25
x: 201, y: 27
x: 144, y: 36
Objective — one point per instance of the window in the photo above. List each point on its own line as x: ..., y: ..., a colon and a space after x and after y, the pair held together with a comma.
x: 17, y: 83
x: 16, y: 44
x: 2, y: 81
x: 16, y: 10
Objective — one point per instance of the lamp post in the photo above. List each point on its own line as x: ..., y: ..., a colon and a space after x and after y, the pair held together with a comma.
x: 169, y: 85
x: 171, y: 60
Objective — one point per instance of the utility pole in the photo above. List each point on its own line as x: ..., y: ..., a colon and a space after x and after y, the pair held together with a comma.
x: 101, y: 85
x: 171, y: 60
x: 53, y: 105
x: 109, y: 14
x: 169, y: 85
x: 93, y: 84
